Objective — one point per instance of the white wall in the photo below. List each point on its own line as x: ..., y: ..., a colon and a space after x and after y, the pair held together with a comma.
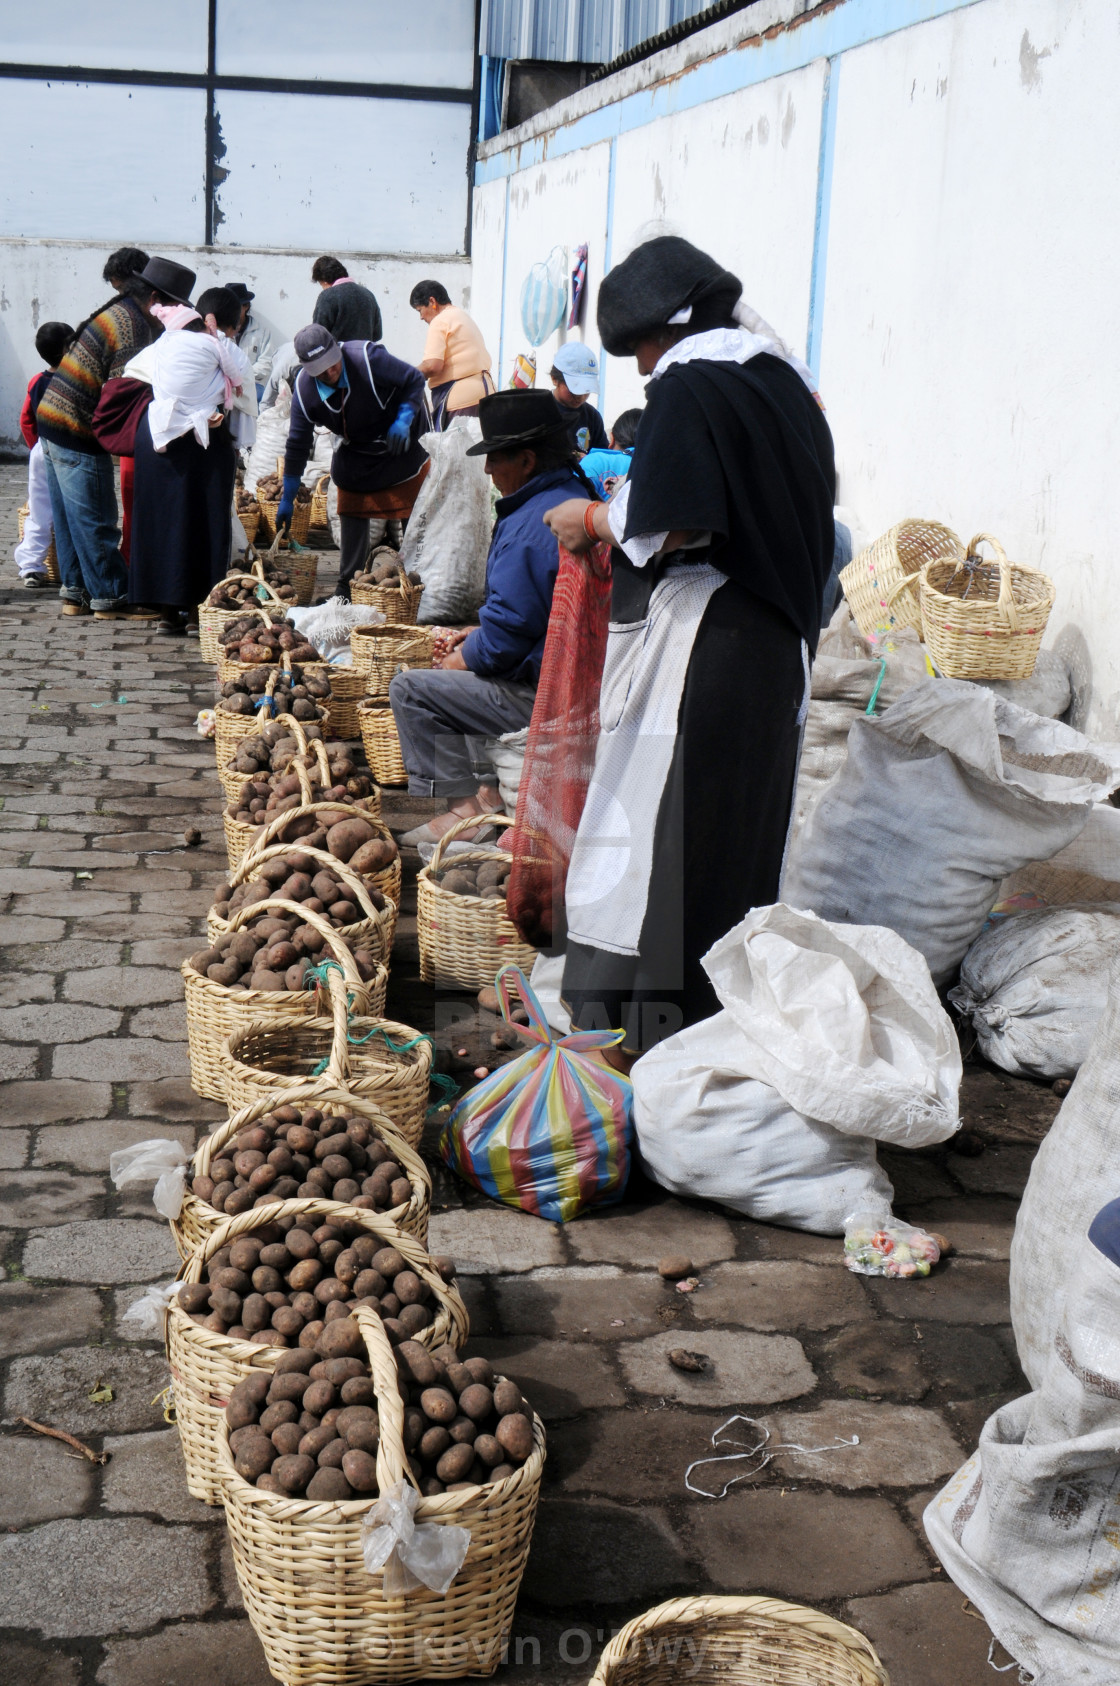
x: 43, y: 280
x: 929, y: 186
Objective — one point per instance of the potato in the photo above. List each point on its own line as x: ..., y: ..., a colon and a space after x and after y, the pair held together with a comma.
x: 305, y: 1275
x: 514, y: 1435
x: 342, y: 1339
x: 476, y: 1402
x: 286, y: 1439
x: 507, y: 1398
x: 488, y: 1451
x: 389, y: 1262
x: 463, y: 1431
x: 416, y: 1362
x: 290, y: 1385
x: 358, y: 1390
x: 284, y: 1411
x: 363, y: 1437
x: 301, y: 1361
x: 434, y: 1443
x: 319, y: 1397
x: 294, y: 1473
x: 455, y: 1463
x: 329, y: 1486
x: 438, y: 1405
x: 194, y: 1296
x: 413, y: 1318
x: 332, y: 1454
x: 360, y: 1470
x: 346, y: 839
x: 255, y: 1456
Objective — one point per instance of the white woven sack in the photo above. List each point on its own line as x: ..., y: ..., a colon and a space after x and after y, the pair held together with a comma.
x: 942, y: 797
x: 1028, y: 1527
x: 1034, y: 987
x: 448, y: 534
x: 830, y: 1035
x: 1075, y: 1172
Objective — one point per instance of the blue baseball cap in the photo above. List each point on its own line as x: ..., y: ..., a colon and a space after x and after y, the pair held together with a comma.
x: 579, y: 367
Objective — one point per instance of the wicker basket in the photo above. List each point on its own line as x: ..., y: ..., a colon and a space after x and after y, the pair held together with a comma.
x: 388, y: 880
x: 348, y: 688
x: 881, y: 584
x: 300, y: 564
x: 738, y: 1642
x: 50, y: 560
x: 231, y: 780
x: 197, y: 1220
x: 206, y: 1366
x: 319, y: 516
x: 323, y: 1620
x: 241, y: 834
x: 376, y: 928
x: 381, y: 652
x: 301, y: 519
x: 984, y: 620
x: 211, y: 622
x: 465, y: 940
x: 250, y: 520
x: 382, y: 743
x: 398, y: 602
x: 214, y: 1010
x: 229, y: 729
x: 387, y: 1065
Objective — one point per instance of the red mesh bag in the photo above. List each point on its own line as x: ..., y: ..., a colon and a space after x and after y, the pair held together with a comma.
x: 560, y: 755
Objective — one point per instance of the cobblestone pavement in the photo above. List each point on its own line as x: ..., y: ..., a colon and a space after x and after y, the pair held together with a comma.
x: 113, y: 1575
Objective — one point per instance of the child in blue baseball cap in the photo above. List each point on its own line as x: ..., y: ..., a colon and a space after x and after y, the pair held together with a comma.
x: 575, y: 373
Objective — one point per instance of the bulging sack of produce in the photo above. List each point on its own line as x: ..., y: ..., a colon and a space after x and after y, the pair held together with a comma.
x: 1075, y: 1172
x: 1027, y: 1528
x: 549, y: 1132
x: 830, y: 1037
x: 941, y: 798
x: 1034, y: 987
x: 448, y: 535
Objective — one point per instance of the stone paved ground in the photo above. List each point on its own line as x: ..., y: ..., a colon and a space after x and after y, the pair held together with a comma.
x: 115, y: 1576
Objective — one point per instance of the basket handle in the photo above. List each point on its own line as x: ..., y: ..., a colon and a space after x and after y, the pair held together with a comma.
x: 338, y: 1063
x: 351, y: 879
x: 278, y: 822
x: 392, y: 1465
x: 470, y: 821
x: 1005, y: 602
x: 339, y: 949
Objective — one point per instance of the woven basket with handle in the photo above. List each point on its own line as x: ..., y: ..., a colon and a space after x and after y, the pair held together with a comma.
x: 984, y: 620
x: 197, y: 1220
x: 298, y: 565
x: 881, y: 583
x: 50, y: 560
x: 229, y: 729
x: 214, y: 1010
x: 738, y: 1642
x: 250, y: 519
x: 323, y: 1620
x: 206, y: 1366
x: 381, y: 652
x: 213, y: 621
x: 373, y: 931
x: 382, y: 743
x: 301, y: 519
x: 465, y: 940
x: 387, y: 880
x: 240, y: 834
x: 319, y: 515
x: 398, y: 600
x: 232, y: 780
x: 388, y: 1065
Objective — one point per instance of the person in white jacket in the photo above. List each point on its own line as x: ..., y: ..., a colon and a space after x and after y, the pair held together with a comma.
x: 253, y: 335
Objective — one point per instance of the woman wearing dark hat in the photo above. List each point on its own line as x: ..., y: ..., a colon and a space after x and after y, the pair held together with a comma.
x: 723, y: 539
x: 254, y: 336
x: 487, y: 675
x: 79, y: 471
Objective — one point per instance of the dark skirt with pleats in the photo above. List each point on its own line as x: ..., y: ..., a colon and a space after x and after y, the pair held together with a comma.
x: 181, y: 517
x: 721, y: 825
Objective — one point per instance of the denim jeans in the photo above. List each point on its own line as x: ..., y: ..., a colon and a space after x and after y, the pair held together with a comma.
x: 86, y: 535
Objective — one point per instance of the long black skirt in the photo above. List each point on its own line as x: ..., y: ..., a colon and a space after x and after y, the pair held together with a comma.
x: 181, y: 517
x: 721, y: 825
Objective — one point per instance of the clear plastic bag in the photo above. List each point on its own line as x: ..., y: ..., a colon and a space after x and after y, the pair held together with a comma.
x: 878, y: 1245
x: 412, y: 1554
x: 144, y: 1318
x: 160, y: 1159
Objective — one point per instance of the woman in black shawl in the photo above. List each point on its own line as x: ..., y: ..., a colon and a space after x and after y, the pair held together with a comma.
x: 723, y: 542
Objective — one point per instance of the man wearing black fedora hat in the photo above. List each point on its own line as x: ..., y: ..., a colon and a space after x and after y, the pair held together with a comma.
x: 486, y: 678
x: 79, y: 472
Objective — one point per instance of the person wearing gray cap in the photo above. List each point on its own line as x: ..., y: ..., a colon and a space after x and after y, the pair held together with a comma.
x: 377, y: 405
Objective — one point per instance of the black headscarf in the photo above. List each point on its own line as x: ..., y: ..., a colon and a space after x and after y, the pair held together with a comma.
x: 741, y: 451
x: 658, y: 279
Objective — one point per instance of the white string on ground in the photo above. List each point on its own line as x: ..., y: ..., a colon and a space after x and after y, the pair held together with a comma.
x: 756, y: 1455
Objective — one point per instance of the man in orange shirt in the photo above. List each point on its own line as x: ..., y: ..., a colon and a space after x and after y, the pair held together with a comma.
x: 455, y: 361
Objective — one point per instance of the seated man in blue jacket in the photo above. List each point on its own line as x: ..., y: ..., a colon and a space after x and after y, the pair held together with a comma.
x: 487, y: 675
x: 378, y: 406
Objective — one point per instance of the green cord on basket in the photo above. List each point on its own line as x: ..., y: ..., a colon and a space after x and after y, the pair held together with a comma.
x: 870, y: 709
x: 445, y: 1086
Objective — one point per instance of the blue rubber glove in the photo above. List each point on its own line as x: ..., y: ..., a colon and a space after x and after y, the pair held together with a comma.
x: 398, y: 435
x: 286, y: 507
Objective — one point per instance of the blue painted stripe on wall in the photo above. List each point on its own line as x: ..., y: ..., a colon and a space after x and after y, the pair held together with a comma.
x: 824, y: 210
x: 608, y: 259
x: 823, y: 36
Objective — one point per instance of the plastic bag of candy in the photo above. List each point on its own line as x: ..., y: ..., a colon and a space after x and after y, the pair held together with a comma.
x: 878, y: 1246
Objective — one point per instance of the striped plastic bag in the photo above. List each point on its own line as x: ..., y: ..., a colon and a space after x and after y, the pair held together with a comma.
x: 550, y: 1132
x: 544, y: 297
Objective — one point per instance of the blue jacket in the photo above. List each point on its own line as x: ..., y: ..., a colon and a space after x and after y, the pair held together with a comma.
x: 521, y: 570
x: 361, y: 413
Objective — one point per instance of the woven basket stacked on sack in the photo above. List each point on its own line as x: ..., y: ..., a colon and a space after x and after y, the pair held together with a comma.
x: 881, y: 584
x: 380, y: 1062
x: 206, y: 1366
x: 197, y: 1220
x: 215, y: 1010
x: 318, y: 1612
x: 738, y: 1642
x: 465, y: 940
x: 984, y: 620
x: 398, y: 598
x: 381, y: 652
x: 50, y: 560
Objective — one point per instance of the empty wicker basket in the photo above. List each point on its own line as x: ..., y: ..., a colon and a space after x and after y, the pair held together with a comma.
x: 381, y: 652
x: 207, y: 1366
x: 197, y: 1220
x: 465, y: 940
x: 738, y: 1642
x: 381, y: 742
x: 881, y: 584
x: 50, y: 560
x: 984, y: 620
x: 323, y: 1620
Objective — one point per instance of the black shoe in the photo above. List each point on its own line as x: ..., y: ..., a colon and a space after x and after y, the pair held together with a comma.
x: 34, y: 582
